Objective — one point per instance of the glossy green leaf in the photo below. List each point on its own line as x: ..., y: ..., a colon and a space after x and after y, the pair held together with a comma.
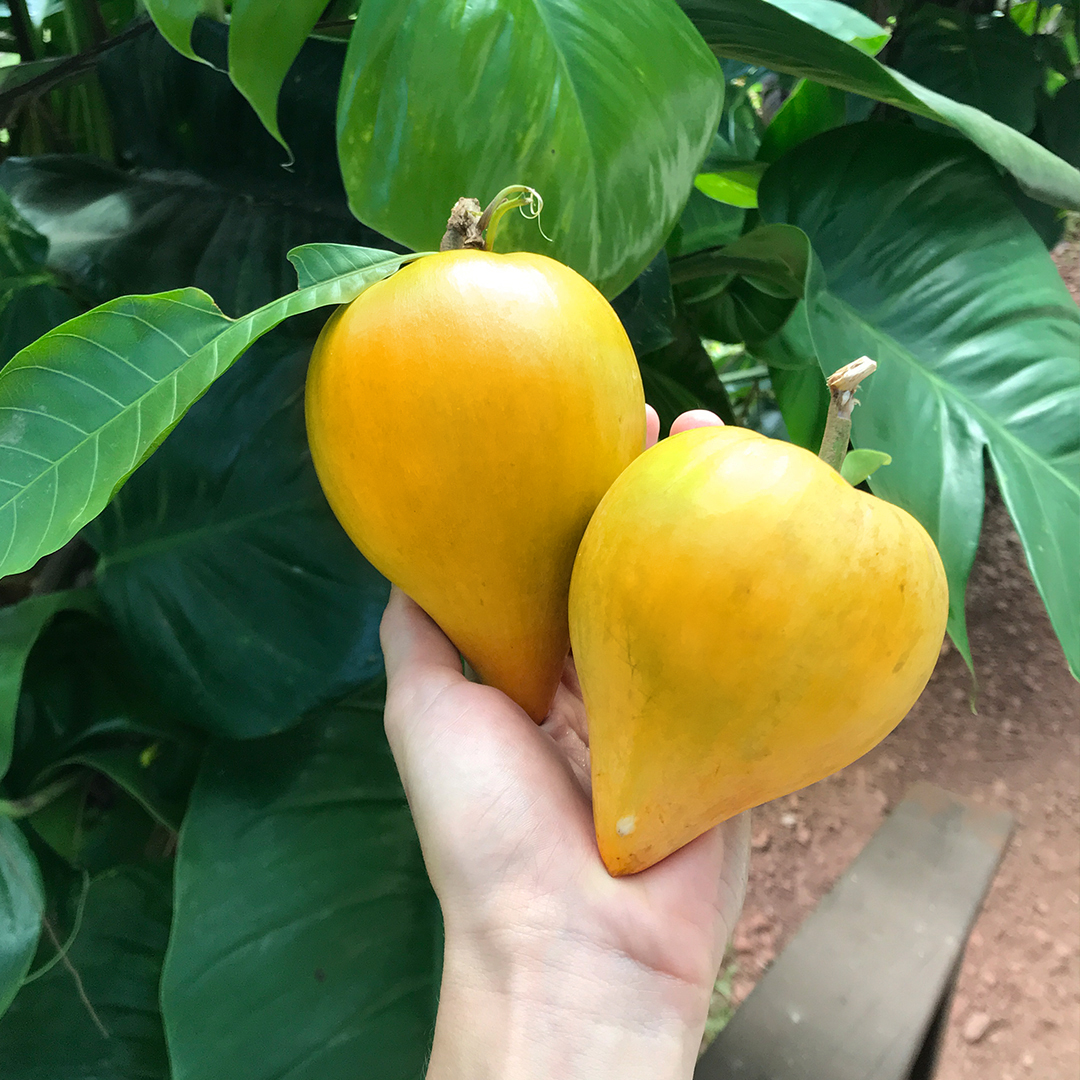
x: 759, y: 32
x: 265, y: 37
x: 811, y: 109
x: 224, y: 567
x: 114, y: 233
x: 985, y: 62
x: 106, y: 1026
x: 745, y: 291
x: 647, y: 309
x: 860, y: 464
x: 736, y: 187
x: 306, y: 940
x: 86, y: 705
x: 175, y: 19
x: 930, y: 270
x: 607, y: 117
x: 840, y: 21
x: 22, y: 901
x: 20, y: 625
x: 84, y: 406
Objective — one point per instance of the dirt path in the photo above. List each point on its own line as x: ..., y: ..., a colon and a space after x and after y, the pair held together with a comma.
x: 1016, y: 1013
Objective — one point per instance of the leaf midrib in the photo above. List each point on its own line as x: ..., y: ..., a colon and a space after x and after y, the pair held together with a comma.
x: 190, y: 536
x: 987, y: 421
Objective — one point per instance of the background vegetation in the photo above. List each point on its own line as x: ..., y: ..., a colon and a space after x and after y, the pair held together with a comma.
x: 207, y: 867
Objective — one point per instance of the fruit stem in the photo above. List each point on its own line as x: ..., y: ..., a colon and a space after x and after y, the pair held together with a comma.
x: 467, y: 225
x: 842, y: 400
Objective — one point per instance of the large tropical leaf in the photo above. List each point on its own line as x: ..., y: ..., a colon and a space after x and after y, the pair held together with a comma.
x: 96, y: 1017
x: 22, y: 901
x: 224, y: 567
x: 306, y: 941
x: 113, y: 233
x: 20, y: 625
x: 607, y: 113
x: 930, y: 269
x: 986, y: 62
x: 84, y: 405
x: 760, y: 32
x: 87, y: 703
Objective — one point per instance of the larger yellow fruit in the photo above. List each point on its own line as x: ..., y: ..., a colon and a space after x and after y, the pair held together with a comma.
x: 465, y: 417
x: 744, y: 623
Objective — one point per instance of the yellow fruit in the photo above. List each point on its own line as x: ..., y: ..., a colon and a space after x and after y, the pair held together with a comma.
x: 465, y: 416
x: 744, y: 623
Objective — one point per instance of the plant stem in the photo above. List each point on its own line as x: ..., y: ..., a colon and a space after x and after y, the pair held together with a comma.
x: 467, y: 225
x: 31, y: 804
x: 842, y: 385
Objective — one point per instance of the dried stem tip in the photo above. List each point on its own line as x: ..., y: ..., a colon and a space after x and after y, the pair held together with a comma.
x: 463, y: 229
x: 843, y: 383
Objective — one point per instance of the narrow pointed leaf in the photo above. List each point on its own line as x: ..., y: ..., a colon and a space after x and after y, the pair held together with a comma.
x: 83, y: 406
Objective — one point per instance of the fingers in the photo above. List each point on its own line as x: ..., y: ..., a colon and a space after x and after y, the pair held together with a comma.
x: 696, y: 418
x: 412, y: 643
x: 652, y: 426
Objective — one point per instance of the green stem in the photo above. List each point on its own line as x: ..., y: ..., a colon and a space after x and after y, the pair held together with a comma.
x: 510, y: 198
x: 31, y: 804
x: 842, y: 385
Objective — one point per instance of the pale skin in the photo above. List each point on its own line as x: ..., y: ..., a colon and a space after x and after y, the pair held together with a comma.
x: 552, y: 968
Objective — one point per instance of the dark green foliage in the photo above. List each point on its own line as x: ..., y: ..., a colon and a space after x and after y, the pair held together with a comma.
x: 194, y: 661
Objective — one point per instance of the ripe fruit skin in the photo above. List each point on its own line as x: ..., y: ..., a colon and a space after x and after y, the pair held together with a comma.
x: 465, y: 416
x: 744, y: 623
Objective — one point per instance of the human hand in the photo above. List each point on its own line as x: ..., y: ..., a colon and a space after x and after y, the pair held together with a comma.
x: 552, y: 968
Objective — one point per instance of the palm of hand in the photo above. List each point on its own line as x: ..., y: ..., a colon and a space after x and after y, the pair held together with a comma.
x: 504, y: 815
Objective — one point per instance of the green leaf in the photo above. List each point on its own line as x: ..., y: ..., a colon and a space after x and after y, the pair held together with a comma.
x: 175, y: 19
x: 22, y: 901
x: 931, y: 271
x: 859, y: 464
x: 265, y: 37
x: 1060, y: 119
x: 985, y: 62
x: 85, y: 704
x: 797, y: 379
x: 224, y: 567
x: 608, y: 118
x: 839, y: 21
x: 736, y: 187
x: 745, y: 291
x: 106, y: 1025
x: 306, y: 937
x: 646, y: 308
x: 758, y: 32
x: 810, y: 110
x: 86, y: 404
x: 113, y: 233
x: 20, y: 625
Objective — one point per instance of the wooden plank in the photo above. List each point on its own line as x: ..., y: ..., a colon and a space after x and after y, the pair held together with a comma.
x: 855, y: 993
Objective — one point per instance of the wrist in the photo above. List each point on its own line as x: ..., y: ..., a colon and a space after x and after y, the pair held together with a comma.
x: 541, y: 1007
